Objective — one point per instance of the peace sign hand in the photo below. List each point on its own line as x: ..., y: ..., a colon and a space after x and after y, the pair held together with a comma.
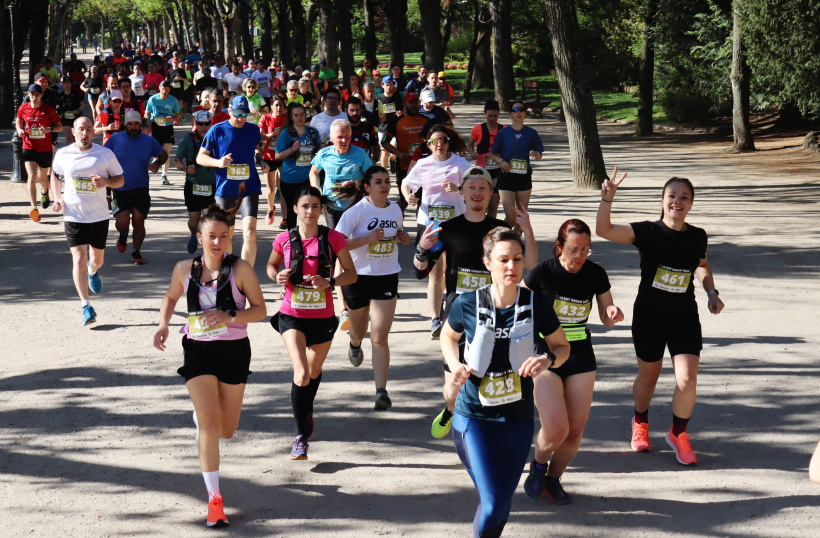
x: 611, y: 185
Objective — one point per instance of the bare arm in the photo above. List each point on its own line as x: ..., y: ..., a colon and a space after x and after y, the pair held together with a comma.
x: 704, y: 276
x: 169, y: 301
x: 607, y: 311
x: 559, y: 346
x: 618, y: 233
x: 314, y: 176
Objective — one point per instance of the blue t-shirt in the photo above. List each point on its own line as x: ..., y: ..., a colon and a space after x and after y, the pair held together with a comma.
x: 340, y: 168
x: 224, y: 138
x: 462, y: 319
x: 297, y: 170
x: 512, y: 145
x: 134, y: 155
x: 157, y: 106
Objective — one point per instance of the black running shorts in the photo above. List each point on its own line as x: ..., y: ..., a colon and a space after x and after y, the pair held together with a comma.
x: 228, y: 360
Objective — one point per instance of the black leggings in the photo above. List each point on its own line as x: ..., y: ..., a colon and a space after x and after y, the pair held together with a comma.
x: 289, y: 190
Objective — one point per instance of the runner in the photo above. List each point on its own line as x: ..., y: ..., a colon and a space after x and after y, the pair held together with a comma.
x: 110, y: 120
x: 234, y: 79
x: 430, y: 110
x: 418, y: 84
x: 391, y: 108
x: 219, y: 70
x: 665, y: 312
x: 200, y: 180
x: 216, y: 349
x: 463, y: 251
x: 230, y: 147
x: 512, y: 150
x: 112, y: 84
x: 263, y: 78
x: 306, y: 317
x: 372, y: 227
x: 308, y: 98
x: 71, y: 108
x: 132, y: 201
x: 93, y: 86
x: 364, y: 135
x: 295, y: 148
x: 483, y: 136
x: 164, y: 112
x: 257, y: 103
x: 85, y: 168
x: 439, y: 177
x: 332, y: 100
x: 178, y: 77
x: 35, y: 122
x: 138, y: 83
x: 406, y: 131
x: 271, y: 125
x: 152, y: 80
x: 511, y: 337
x: 397, y: 72
x: 569, y: 281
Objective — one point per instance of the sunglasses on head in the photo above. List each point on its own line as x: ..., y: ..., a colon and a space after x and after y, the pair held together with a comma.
x: 519, y: 109
x: 203, y: 123
x: 240, y: 115
x: 435, y: 140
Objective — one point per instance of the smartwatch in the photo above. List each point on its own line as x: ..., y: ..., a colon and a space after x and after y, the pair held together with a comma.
x: 232, y: 313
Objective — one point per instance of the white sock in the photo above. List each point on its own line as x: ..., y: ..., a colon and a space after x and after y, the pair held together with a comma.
x: 88, y: 268
x: 86, y: 303
x: 211, y: 483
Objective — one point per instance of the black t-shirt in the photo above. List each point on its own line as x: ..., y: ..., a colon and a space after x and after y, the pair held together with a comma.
x: 388, y: 106
x: 364, y: 136
x: 464, y: 253
x: 438, y: 114
x: 570, y: 295
x: 416, y: 85
x: 206, y: 82
x: 70, y: 102
x: 97, y: 83
x: 176, y: 85
x: 668, y: 261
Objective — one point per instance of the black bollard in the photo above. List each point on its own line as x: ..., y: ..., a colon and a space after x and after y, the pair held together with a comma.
x: 18, y: 171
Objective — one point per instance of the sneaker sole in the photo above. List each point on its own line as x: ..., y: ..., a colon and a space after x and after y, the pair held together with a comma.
x: 546, y: 495
x: 298, y: 458
x: 89, y: 322
x: 381, y: 405
x: 217, y: 524
x: 632, y: 444
x: 355, y: 360
x: 446, y: 429
x: 121, y: 247
x: 677, y: 452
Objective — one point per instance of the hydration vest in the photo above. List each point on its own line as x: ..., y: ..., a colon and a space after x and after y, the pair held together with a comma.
x: 485, y: 144
x: 312, y: 133
x: 112, y: 118
x: 297, y: 255
x: 224, y: 293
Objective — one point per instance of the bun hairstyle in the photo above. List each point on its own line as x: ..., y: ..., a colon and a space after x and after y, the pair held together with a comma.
x: 309, y: 190
x: 214, y: 213
x: 500, y: 234
x: 673, y: 180
x: 572, y: 226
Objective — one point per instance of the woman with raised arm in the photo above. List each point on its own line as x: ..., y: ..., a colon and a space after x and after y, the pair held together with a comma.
x: 665, y: 312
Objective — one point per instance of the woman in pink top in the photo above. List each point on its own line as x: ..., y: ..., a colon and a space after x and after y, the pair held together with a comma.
x: 306, y: 318
x: 215, y: 343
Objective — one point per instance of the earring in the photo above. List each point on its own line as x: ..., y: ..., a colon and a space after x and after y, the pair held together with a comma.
x: 199, y: 241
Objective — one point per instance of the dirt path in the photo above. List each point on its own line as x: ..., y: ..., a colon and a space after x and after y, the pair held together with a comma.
x: 96, y: 437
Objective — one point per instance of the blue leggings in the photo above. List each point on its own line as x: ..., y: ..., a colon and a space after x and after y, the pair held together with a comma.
x: 494, y: 453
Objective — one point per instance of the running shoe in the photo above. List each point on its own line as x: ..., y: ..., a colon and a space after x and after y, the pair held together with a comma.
x: 45, y: 201
x: 283, y: 225
x: 216, y: 512
x: 344, y: 321
x: 35, y: 215
x: 269, y: 218
x: 355, y: 354
x: 122, y: 243
x: 138, y: 259
x: 89, y: 316
x: 299, y: 449
x: 441, y: 426
x: 435, y: 330
x: 640, y: 437
x: 534, y: 484
x: 554, y: 492
x: 383, y: 401
x: 95, y: 282
x: 165, y: 180
x: 683, y: 450
x: 310, y: 426
x: 191, y: 244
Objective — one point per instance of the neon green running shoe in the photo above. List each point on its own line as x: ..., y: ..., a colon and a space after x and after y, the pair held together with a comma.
x: 442, y: 423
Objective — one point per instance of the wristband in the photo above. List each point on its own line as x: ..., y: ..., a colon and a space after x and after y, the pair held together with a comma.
x: 422, y: 254
x: 332, y: 283
x: 551, y: 356
x: 605, y: 200
x: 713, y: 292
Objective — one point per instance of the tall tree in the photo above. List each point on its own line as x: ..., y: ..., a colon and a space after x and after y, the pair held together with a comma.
x: 645, y: 125
x: 500, y: 12
x: 227, y: 13
x: 396, y: 11
x: 370, y: 41
x: 284, y: 26
x: 481, y: 34
x: 741, y: 88
x: 588, y: 169
x: 296, y: 15
x: 430, y: 11
x: 266, y: 28
x: 244, y: 16
x: 344, y: 35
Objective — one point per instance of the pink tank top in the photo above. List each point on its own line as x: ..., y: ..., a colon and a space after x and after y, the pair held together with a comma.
x: 207, y: 300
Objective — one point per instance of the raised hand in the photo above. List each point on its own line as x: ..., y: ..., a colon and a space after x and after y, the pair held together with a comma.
x: 429, y: 237
x: 611, y: 185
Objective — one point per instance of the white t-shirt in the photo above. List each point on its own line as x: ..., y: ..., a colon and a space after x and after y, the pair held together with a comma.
x: 136, y: 84
x: 265, y: 81
x: 219, y: 72
x: 382, y: 257
x: 83, y: 201
x: 234, y: 81
x: 430, y: 174
x: 321, y: 122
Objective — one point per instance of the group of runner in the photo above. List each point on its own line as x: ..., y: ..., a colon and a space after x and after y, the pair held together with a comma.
x: 509, y: 341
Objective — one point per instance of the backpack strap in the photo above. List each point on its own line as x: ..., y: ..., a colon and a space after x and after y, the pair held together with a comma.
x: 224, y: 291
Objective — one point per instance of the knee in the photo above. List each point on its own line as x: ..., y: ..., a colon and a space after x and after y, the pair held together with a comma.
x: 209, y: 426
x: 227, y: 433
x: 301, y: 378
x: 250, y: 234
x: 553, y: 432
x: 574, y: 436
x: 687, y: 381
x: 378, y: 340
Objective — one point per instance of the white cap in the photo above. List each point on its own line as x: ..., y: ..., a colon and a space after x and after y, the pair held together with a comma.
x: 132, y: 115
x: 202, y: 116
x: 428, y: 96
x: 116, y: 94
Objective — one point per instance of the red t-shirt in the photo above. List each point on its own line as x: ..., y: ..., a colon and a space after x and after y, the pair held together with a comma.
x: 476, y: 134
x: 267, y: 124
x: 34, y: 119
x: 134, y: 104
x: 218, y: 118
x: 151, y: 82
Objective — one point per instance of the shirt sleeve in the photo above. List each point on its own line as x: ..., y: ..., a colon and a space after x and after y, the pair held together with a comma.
x: 278, y: 242
x: 475, y: 134
x: 456, y: 316
x: 413, y: 179
x: 641, y: 231
x: 534, y: 277
x: 317, y: 160
x: 176, y: 108
x: 283, y: 142
x: 601, y: 283
x: 55, y: 117
x: 498, y: 144
x: 537, y: 144
x: 183, y: 149
x: 337, y: 241
x: 114, y: 166
x: 57, y: 164
x: 347, y: 223
x: 210, y: 144
x: 546, y: 322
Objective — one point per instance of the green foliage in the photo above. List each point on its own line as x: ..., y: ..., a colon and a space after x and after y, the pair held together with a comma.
x: 610, y: 31
x: 682, y: 107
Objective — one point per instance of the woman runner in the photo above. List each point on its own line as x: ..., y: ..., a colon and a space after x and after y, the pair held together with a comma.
x: 271, y: 125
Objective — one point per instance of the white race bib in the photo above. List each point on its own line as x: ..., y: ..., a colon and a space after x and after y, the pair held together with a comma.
x: 84, y: 186
x: 202, y: 190
x: 239, y: 172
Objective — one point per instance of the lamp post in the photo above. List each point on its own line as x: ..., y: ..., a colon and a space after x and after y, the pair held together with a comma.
x: 18, y: 172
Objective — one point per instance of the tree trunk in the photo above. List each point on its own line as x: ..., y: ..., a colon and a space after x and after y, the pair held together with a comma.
x: 483, y: 73
x: 185, y: 23
x: 396, y: 12
x: 502, y: 52
x: 588, y: 169
x: 196, y: 23
x: 741, y: 88
x: 244, y: 18
x: 646, y: 79
x: 327, y: 33
x: 345, y: 36
x: 10, y: 95
x: 430, y: 11
x: 310, y: 21
x: 266, y: 29
x: 296, y: 16
x: 227, y: 15
x: 468, y: 79
x: 284, y: 26
x: 449, y: 12
x: 370, y: 42
x: 169, y: 25
x: 37, y: 37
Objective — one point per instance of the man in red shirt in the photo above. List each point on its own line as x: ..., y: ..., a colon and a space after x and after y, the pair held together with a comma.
x: 212, y: 102
x: 151, y: 80
x: 35, y: 122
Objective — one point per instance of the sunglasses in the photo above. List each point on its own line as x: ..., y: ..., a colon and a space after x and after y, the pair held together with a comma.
x: 116, y: 100
x: 331, y: 98
x: 240, y: 115
x: 519, y: 109
x: 203, y: 123
x: 436, y: 140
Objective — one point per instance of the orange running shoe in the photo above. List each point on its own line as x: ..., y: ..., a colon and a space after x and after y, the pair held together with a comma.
x: 35, y: 215
x: 683, y: 450
x: 269, y: 218
x: 216, y: 513
x: 640, y: 437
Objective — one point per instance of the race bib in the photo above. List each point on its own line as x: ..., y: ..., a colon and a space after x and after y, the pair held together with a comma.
x: 411, y: 149
x: 84, y: 186
x: 490, y: 164
x: 198, y: 328
x: 499, y: 389
x: 382, y: 249
x: 239, y: 172
x: 153, y: 92
x: 176, y: 84
x: 671, y: 279
x: 472, y: 279
x: 388, y: 108
x: 307, y: 298
x: 202, y: 190
x: 518, y: 166
x: 36, y: 133
x: 262, y: 85
x: 159, y: 121
x: 441, y: 212
x: 304, y: 159
x: 69, y: 114
x: 308, y: 111
x: 253, y: 118
x: 575, y: 331
x: 94, y: 91
x: 571, y: 311
x: 137, y: 87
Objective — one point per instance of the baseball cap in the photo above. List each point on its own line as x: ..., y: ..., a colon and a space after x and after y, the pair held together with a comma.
x: 375, y: 73
x: 35, y: 88
x: 442, y: 74
x: 428, y: 96
x: 165, y: 84
x: 41, y: 76
x: 219, y: 57
x: 314, y: 67
x: 323, y: 62
x: 201, y: 116
x: 388, y: 80
x: 240, y: 103
x: 410, y: 96
x: 476, y: 172
x: 132, y: 115
x: 116, y: 94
